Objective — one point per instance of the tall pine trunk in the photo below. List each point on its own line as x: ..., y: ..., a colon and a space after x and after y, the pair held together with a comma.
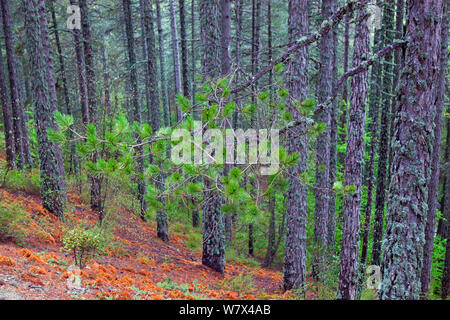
x: 436, y: 159
x: 294, y: 272
x: 325, y: 87
x: 50, y: 158
x: 348, y: 275
x: 412, y: 145
x: 7, y: 118
x: 21, y: 140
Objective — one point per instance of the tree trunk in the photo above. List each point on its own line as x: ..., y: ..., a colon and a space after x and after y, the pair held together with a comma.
x: 213, y: 254
x: 7, y: 118
x: 348, y: 275
x: 50, y: 159
x: 324, y: 90
x: 295, y: 247
x: 162, y: 64
x: 176, y: 58
x: 436, y: 159
x: 22, y: 148
x: 135, y: 101
x: 96, y: 183
x: 81, y: 69
x: 412, y: 146
x: 343, y: 112
x: 62, y: 69
x: 372, y: 133
x: 184, y: 59
x: 384, y: 138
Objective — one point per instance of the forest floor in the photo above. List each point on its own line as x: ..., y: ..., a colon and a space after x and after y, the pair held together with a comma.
x: 137, y: 266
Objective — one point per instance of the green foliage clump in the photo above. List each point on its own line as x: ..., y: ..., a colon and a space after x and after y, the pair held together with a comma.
x: 12, y: 220
x: 242, y: 283
x: 84, y: 244
x: 18, y: 180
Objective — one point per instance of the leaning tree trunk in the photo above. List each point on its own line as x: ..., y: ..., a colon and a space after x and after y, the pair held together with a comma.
x: 412, y: 145
x: 348, y: 275
x: 7, y: 118
x: 21, y: 140
x: 50, y: 159
x: 436, y: 159
x: 325, y: 87
x: 295, y: 247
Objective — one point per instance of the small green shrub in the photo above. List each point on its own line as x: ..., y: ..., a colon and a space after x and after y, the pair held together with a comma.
x: 26, y: 181
x: 242, y: 283
x: 84, y: 244
x: 12, y: 222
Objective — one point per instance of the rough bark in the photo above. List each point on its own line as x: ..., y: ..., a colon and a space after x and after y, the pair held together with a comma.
x: 162, y: 64
x: 183, y: 38
x: 135, y: 102
x: 412, y: 146
x: 435, y: 162
x: 50, y: 159
x: 322, y: 145
x: 384, y: 137
x: 294, y: 272
x: 21, y: 140
x: 372, y: 133
x: 213, y: 254
x: 175, y: 54
x: 81, y: 69
x: 62, y: 70
x: 343, y: 112
x: 7, y: 118
x: 96, y: 183
x: 349, y: 272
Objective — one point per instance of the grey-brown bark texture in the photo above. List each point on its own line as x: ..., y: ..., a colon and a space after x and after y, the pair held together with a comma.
x: 96, y: 182
x: 386, y: 88
x: 7, y: 118
x: 436, y: 159
x: 412, y: 146
x: 135, y: 104
x: 162, y: 63
x: 343, y: 106
x: 81, y: 70
x: 42, y: 78
x: 349, y: 273
x: 213, y: 254
x: 21, y: 140
x: 183, y: 40
x: 63, y: 76
x: 446, y: 225
x: 372, y: 133
x: 175, y: 54
x: 294, y: 271
x: 321, y: 192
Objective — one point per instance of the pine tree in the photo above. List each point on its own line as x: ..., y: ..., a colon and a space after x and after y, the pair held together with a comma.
x: 50, y: 158
x: 412, y: 145
x: 348, y: 275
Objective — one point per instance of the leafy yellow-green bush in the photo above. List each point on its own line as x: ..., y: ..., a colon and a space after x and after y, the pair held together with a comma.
x: 84, y: 244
